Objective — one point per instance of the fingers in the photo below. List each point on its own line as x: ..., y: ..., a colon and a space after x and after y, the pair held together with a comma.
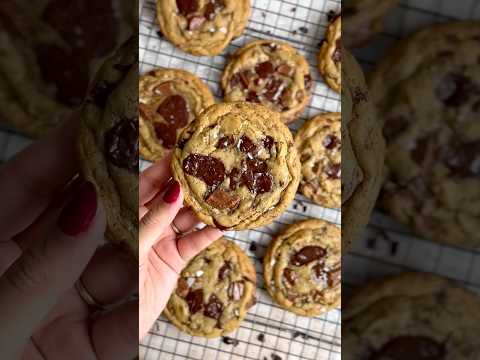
x: 191, y: 244
x: 31, y: 179
x: 153, y: 179
x: 115, y: 333
x: 66, y: 239
x: 110, y: 275
x: 154, y: 224
x: 186, y: 220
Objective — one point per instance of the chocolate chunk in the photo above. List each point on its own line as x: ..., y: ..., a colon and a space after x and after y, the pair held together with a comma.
x: 337, y: 54
x: 225, y: 142
x: 290, y: 275
x: 121, y: 144
x: 101, y: 92
x: 167, y: 134
x: 247, y: 178
x: 209, y: 12
x: 319, y: 272
x: 307, y: 254
x: 263, y: 183
x: 305, y: 157
x: 454, y: 90
x: 225, y: 270
x: 252, y: 96
x: 230, y: 341
x: 244, y: 78
x: 411, y: 347
x: 462, y: 159
x: 256, y: 165
x: 207, y: 168
x: 307, y: 79
x: 334, y: 277
x: 182, y: 287
x: 163, y: 88
x: 195, y: 22
x: 221, y: 199
x: 174, y: 110
x: 264, y: 69
x: 186, y: 7
x: 235, y: 290
x: 268, y: 142
x: 273, y: 90
x: 333, y: 171
x: 194, y: 301
x: 331, y: 142
x: 214, y: 308
x: 246, y: 145
x: 284, y: 69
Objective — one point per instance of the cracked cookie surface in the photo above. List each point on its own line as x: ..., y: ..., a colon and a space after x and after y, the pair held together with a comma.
x: 330, y: 55
x: 412, y: 316
x: 319, y: 145
x: 237, y: 165
x: 428, y: 95
x: 302, y: 267
x: 108, y: 144
x: 214, y: 292
x: 169, y: 99
x: 202, y: 27
x: 270, y: 73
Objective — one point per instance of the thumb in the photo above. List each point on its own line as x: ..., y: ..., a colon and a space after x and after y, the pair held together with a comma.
x: 62, y: 242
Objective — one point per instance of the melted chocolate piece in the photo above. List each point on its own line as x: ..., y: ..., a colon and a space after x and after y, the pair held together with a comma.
x: 222, y: 199
x: 290, y: 275
x: 256, y: 165
x: 268, y: 142
x: 209, y: 11
x: 333, y: 171
x: 194, y: 301
x: 101, y: 92
x: 246, y: 145
x: 174, y: 110
x: 167, y: 134
x: 187, y: 7
x: 252, y: 96
x: 273, y: 90
x: 263, y: 183
x: 182, y: 287
x: 284, y: 69
x: 330, y: 142
x: 463, y: 159
x: 412, y: 348
x: 225, y: 270
x: 264, y: 69
x: 225, y: 142
x: 207, y: 168
x: 214, y: 308
x: 235, y: 290
x: 334, y: 277
x: 121, y: 144
x: 244, y: 78
x: 307, y: 254
x: 454, y: 90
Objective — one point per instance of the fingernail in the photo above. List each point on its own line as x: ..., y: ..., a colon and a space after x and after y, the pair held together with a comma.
x: 79, y: 212
x: 172, y: 193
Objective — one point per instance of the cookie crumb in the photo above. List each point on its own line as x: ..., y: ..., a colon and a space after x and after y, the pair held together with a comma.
x: 230, y: 341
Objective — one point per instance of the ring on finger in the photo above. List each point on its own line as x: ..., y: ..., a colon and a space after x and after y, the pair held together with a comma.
x: 175, y: 229
x: 86, y: 296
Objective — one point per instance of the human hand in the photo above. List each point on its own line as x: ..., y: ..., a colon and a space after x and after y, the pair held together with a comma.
x: 166, y: 240
x: 50, y: 230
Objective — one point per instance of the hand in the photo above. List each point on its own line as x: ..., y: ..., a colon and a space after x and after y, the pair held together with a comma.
x: 50, y: 230
x: 164, y: 252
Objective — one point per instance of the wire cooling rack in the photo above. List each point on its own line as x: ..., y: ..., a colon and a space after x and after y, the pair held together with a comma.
x: 302, y: 23
x: 387, y: 247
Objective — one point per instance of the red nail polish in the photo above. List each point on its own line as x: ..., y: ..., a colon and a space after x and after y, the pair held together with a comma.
x: 172, y: 193
x: 79, y: 212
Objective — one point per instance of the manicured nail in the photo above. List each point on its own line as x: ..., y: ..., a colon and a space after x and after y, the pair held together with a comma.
x: 172, y: 193
x: 79, y: 212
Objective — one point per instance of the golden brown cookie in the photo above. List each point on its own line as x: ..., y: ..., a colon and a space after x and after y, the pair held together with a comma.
x: 237, y: 165
x: 214, y: 292
x: 270, y: 73
x: 169, y: 100
x: 302, y: 267
x: 319, y: 146
x: 202, y: 27
x: 330, y: 55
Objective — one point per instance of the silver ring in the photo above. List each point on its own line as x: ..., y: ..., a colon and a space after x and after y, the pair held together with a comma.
x: 175, y: 229
x: 85, y: 295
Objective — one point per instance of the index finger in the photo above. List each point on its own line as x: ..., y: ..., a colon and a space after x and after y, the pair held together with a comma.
x: 153, y: 179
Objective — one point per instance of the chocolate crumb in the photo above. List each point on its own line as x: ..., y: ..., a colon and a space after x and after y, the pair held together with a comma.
x: 276, y: 357
x: 253, y: 246
x: 293, y: 9
x: 261, y: 337
x: 331, y: 15
x: 230, y: 341
x: 160, y: 35
x: 297, y: 334
x: 264, y: 15
x: 294, y: 32
x: 303, y: 29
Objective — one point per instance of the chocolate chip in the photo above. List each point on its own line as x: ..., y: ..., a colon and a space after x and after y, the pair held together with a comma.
x: 455, y: 90
x: 101, y: 92
x: 246, y: 145
x: 307, y: 79
x: 273, y: 90
x: 163, y: 88
x: 225, y: 270
x: 331, y: 142
x: 337, y: 54
x: 214, y: 308
x: 225, y: 142
x: 182, y: 287
x: 261, y: 337
x: 252, y: 96
x: 263, y: 183
x: 248, y: 179
x: 307, y: 254
x: 319, y: 272
x: 207, y: 168
x: 174, y: 110
x: 333, y: 171
x: 186, y: 7
x: 256, y: 165
x: 166, y: 133
x: 334, y: 277
x: 284, y: 69
x: 220, y: 199
x: 194, y: 301
x: 235, y: 290
x: 411, y: 347
x: 195, y: 22
x: 230, y: 341
x: 268, y: 142
x: 264, y: 69
x: 209, y: 11
x: 290, y: 275
x: 121, y: 144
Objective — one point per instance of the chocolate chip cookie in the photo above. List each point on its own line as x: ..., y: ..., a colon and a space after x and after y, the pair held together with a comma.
x: 319, y: 146
x: 214, y: 292
x: 270, y: 73
x: 428, y: 94
x: 50, y: 54
x: 202, y: 27
x: 330, y: 55
x: 302, y: 267
x: 363, y: 151
x: 412, y: 316
x: 363, y: 19
x: 108, y: 143
x: 237, y: 165
x: 169, y: 100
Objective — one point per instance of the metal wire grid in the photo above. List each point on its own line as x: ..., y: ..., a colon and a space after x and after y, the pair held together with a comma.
x: 285, y: 335
x: 386, y: 246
